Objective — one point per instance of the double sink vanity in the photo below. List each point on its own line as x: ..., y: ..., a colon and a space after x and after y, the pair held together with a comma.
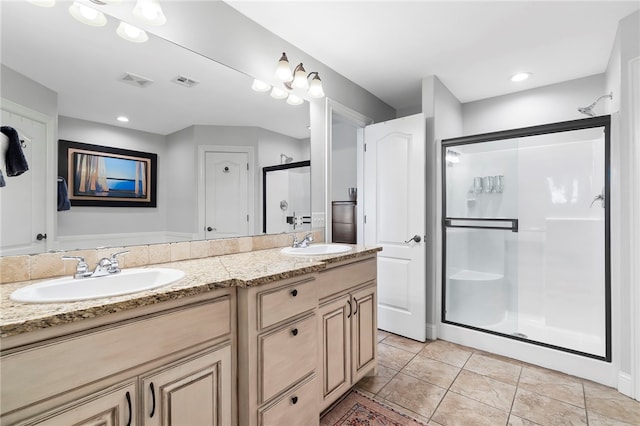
x: 257, y: 338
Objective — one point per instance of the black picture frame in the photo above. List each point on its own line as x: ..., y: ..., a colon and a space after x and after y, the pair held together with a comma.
x: 105, y: 176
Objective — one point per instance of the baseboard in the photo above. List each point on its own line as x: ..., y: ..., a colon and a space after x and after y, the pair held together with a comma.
x: 625, y: 384
x: 431, y: 331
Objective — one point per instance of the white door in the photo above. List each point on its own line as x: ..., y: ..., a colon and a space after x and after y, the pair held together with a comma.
x: 22, y: 200
x: 226, y: 194
x: 394, y: 208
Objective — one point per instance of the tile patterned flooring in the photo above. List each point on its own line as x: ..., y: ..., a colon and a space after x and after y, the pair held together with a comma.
x: 444, y: 384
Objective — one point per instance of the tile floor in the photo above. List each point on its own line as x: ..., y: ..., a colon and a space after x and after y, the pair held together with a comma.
x: 441, y: 383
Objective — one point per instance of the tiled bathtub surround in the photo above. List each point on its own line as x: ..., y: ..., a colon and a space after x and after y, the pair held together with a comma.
x: 47, y: 265
x: 441, y: 383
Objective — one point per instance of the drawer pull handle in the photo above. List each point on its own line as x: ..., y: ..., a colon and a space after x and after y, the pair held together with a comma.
x: 294, y: 400
x: 294, y: 331
x: 294, y: 292
x: 355, y: 306
x: 153, y: 399
x: 128, y: 396
x: 350, y: 309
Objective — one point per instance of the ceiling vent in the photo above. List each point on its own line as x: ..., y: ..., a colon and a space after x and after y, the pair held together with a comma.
x: 185, y: 81
x: 135, y: 80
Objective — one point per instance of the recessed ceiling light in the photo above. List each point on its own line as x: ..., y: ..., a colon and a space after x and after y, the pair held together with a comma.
x: 521, y: 76
x: 123, y: 119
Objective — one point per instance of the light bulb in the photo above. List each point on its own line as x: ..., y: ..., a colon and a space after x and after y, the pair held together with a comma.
x: 150, y: 12
x: 300, y: 78
x: 315, y: 88
x: 295, y: 100
x: 87, y: 15
x: 131, y: 33
x: 278, y: 93
x: 260, y: 86
x: 283, y: 71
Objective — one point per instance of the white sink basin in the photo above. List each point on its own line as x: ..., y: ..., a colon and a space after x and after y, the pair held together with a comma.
x: 71, y: 290
x: 316, y: 250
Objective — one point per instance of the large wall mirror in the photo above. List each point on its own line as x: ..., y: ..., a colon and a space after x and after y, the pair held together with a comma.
x: 212, y: 133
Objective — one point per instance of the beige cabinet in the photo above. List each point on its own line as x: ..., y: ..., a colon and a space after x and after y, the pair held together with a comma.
x: 195, y: 392
x: 112, y: 407
x: 347, y: 328
x: 103, y: 374
x: 277, y: 353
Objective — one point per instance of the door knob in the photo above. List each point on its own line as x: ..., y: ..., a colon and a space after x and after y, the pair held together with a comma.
x: 41, y: 237
x: 210, y: 229
x: 415, y: 238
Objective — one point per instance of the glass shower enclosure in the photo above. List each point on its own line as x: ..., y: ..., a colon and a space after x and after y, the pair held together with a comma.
x: 526, y: 235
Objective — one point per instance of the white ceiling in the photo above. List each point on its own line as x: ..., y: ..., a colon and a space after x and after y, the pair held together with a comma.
x: 388, y: 47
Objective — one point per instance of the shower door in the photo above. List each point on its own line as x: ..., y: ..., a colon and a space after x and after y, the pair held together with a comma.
x: 525, y: 235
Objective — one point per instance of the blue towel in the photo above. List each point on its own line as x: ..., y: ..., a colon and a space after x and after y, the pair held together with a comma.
x: 63, y: 195
x: 14, y: 158
x: 2, y: 182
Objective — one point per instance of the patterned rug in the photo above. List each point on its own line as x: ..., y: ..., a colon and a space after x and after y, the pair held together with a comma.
x: 358, y: 410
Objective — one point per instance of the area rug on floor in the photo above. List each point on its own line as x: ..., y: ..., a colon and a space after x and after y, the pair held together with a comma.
x: 358, y: 410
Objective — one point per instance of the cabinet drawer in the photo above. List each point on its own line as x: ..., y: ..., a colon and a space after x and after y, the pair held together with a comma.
x: 81, y: 359
x: 287, y: 355
x: 297, y: 408
x: 341, y: 278
x: 285, y: 302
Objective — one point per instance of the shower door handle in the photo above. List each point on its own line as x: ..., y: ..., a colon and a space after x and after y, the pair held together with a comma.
x: 598, y: 197
x: 415, y: 238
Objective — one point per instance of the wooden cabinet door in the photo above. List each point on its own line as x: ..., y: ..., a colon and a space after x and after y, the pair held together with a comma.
x: 112, y: 407
x: 194, y: 392
x: 363, y: 332
x: 335, y: 324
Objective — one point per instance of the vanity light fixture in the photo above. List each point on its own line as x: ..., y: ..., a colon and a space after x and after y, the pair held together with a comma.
x: 278, y: 93
x: 299, y: 79
x: 150, y: 12
x: 87, y: 15
x: 294, y: 100
x: 260, y: 86
x: 43, y: 3
x: 131, y: 33
x: 521, y: 76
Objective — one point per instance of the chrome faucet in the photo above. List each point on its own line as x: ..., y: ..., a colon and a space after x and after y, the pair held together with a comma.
x: 105, y: 266
x: 308, y: 239
x: 82, y: 269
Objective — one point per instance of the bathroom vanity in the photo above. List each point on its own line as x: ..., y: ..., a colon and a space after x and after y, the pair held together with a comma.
x: 255, y: 338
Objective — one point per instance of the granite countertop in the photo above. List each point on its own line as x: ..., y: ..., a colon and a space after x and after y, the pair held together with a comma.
x: 202, y: 275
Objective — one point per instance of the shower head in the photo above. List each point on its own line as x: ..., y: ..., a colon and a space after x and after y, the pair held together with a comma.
x: 285, y: 159
x: 588, y: 110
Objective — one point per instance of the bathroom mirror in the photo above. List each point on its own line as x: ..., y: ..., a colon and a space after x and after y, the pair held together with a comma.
x: 179, y: 104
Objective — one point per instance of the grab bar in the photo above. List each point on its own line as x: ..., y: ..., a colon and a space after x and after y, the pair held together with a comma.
x: 449, y: 223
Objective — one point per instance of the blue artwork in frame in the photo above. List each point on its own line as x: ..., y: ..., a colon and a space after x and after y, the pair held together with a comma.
x: 106, y: 176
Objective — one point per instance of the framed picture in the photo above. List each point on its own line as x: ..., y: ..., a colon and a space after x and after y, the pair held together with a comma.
x: 107, y: 177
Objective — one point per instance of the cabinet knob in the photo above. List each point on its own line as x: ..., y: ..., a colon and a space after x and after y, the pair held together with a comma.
x: 294, y: 292
x: 294, y: 400
x: 294, y: 331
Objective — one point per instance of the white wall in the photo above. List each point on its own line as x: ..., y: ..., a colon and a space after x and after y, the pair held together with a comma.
x: 80, y: 221
x: 26, y: 92
x: 343, y: 161
x: 625, y: 227
x: 548, y: 104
